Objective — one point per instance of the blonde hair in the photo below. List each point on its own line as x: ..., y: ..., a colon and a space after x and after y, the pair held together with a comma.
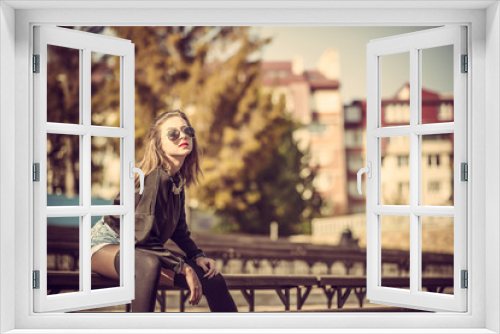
x: 155, y: 158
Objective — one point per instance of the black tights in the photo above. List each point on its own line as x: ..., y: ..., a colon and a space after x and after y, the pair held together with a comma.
x: 147, y: 274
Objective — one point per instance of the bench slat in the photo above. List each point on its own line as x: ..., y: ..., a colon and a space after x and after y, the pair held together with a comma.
x: 247, y: 284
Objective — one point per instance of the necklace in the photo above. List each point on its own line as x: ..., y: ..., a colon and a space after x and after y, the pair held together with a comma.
x: 176, y: 189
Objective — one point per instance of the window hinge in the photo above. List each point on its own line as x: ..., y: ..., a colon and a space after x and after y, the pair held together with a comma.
x: 464, y: 171
x: 465, y: 64
x: 36, y: 279
x: 465, y: 279
x: 36, y: 172
x: 36, y: 63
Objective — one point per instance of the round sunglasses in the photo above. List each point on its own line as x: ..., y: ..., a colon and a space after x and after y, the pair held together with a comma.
x: 174, y: 134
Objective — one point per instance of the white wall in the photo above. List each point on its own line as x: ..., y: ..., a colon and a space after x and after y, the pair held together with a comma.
x: 7, y: 158
x: 492, y: 162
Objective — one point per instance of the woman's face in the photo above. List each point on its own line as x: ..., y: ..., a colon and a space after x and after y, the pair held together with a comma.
x: 180, y: 147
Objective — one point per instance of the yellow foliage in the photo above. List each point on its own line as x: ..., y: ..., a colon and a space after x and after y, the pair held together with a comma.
x: 252, y: 197
x: 222, y: 197
x: 241, y: 206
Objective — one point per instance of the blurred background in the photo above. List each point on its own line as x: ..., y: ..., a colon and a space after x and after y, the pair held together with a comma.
x: 280, y: 115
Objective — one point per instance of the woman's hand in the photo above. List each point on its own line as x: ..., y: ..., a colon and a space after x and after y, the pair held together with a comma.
x: 208, y: 265
x: 194, y: 284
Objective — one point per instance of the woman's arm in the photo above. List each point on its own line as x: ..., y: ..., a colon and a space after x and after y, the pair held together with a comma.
x: 194, y: 284
x: 182, y: 235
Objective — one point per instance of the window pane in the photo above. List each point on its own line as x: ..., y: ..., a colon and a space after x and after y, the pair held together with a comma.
x: 63, y: 251
x: 105, y: 89
x: 437, y: 85
x: 395, y: 170
x: 105, y: 170
x: 395, y: 90
x: 63, y: 85
x: 395, y: 244
x: 63, y: 170
x: 437, y: 253
x: 437, y: 170
x: 103, y: 236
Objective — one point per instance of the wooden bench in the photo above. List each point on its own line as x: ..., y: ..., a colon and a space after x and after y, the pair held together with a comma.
x: 344, y: 285
x: 247, y: 284
x: 64, y: 241
x: 282, y: 284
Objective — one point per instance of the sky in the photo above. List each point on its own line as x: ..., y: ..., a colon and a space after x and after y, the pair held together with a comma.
x: 311, y: 41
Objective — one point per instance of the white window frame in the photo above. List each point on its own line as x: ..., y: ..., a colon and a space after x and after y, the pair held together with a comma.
x: 16, y: 19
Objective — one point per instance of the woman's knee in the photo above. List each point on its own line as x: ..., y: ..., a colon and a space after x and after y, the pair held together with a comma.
x: 217, y: 282
x: 147, y: 264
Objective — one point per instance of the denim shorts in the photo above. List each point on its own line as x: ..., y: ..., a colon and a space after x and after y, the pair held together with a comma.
x: 101, y: 235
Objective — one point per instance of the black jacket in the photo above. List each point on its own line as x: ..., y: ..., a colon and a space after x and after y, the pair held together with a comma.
x: 160, y: 215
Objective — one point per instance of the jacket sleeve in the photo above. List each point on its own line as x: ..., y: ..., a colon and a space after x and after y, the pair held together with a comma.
x: 114, y: 221
x: 143, y: 208
x: 182, y: 235
x: 168, y: 259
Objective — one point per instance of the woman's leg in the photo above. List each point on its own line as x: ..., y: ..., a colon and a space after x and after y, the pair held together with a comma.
x: 215, y: 289
x: 147, y: 276
x: 103, y: 261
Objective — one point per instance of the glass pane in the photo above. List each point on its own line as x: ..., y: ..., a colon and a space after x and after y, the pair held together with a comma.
x: 63, y: 252
x: 104, y: 239
x: 395, y: 89
x: 437, y: 84
x: 105, y: 170
x: 437, y: 169
x: 105, y: 89
x: 395, y: 244
x: 63, y: 170
x: 63, y: 85
x: 395, y: 170
x: 437, y: 254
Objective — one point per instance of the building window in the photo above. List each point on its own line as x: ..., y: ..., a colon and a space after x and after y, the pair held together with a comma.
x: 355, y: 163
x: 397, y: 113
x: 433, y: 160
x: 403, y: 160
x: 445, y: 112
x: 403, y: 189
x: 352, y: 114
x: 353, y: 138
x: 434, y: 186
x: 318, y: 129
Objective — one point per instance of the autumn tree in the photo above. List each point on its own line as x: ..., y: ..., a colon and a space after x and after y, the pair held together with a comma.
x: 62, y: 107
x: 252, y: 167
x: 281, y: 191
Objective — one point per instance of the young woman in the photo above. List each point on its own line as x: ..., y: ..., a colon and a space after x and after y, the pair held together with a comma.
x: 170, y: 164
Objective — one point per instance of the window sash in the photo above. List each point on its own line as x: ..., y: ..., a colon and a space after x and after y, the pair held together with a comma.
x: 86, y: 43
x: 414, y: 298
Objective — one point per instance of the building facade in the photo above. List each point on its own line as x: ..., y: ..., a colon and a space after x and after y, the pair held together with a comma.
x: 436, y: 151
x: 436, y: 167
x: 335, y: 136
x: 313, y: 100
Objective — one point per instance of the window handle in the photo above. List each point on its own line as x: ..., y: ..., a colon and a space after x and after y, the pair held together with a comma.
x: 134, y: 170
x: 368, y: 171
